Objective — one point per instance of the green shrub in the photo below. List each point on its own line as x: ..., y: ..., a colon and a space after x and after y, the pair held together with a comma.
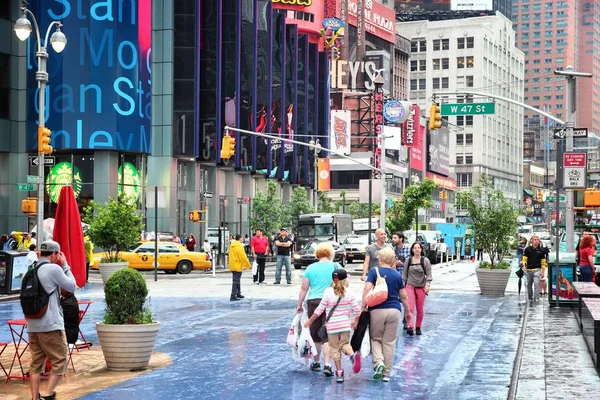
x: 503, y: 265
x: 485, y: 265
x: 125, y: 295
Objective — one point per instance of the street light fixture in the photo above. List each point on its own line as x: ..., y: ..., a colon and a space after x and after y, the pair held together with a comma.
x: 315, y: 146
x: 58, y: 41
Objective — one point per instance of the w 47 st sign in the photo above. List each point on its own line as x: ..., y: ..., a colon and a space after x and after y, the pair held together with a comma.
x: 468, y: 109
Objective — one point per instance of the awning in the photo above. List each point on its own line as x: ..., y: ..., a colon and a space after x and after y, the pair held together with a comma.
x: 528, y: 192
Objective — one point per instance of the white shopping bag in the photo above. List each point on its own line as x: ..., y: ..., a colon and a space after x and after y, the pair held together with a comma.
x: 306, y: 345
x: 365, y: 347
x: 254, y: 268
x: 294, y: 332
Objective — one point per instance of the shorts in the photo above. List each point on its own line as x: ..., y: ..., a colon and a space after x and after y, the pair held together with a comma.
x: 339, y: 343
x: 51, y: 345
x: 318, y: 323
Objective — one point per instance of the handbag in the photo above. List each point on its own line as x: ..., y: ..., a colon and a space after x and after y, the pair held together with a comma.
x: 379, y: 293
x: 322, y: 332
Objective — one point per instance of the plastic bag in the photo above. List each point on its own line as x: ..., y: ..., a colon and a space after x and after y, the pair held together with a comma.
x: 254, y: 268
x: 365, y: 348
x: 306, y: 345
x: 294, y: 332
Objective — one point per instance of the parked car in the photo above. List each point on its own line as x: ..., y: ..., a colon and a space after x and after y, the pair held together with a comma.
x: 306, y: 255
x: 545, y: 238
x: 172, y: 258
x: 356, y: 247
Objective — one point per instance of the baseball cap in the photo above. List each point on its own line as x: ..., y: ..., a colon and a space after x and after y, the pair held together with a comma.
x: 339, y: 274
x: 49, y: 246
x: 283, y: 229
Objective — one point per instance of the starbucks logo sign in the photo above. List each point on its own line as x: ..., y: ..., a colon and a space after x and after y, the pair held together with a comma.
x: 62, y: 174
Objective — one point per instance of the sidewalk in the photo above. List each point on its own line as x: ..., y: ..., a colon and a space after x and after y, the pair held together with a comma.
x: 555, y: 359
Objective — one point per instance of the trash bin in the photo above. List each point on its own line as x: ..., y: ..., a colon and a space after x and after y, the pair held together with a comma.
x: 13, y: 266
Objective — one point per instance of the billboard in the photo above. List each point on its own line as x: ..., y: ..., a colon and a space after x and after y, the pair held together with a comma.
x: 429, y: 5
x: 417, y: 145
x: 99, y: 88
x: 438, y: 154
x: 340, y: 131
x: 471, y: 5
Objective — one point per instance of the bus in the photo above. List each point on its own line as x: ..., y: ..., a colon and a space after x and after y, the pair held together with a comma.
x: 322, y: 227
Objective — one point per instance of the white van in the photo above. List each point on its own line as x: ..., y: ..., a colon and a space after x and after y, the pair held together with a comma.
x: 213, y: 239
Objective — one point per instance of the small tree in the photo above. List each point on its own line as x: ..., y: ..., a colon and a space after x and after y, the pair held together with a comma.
x: 342, y: 202
x: 267, y: 209
x: 361, y: 210
x: 298, y: 205
x: 401, y: 214
x: 492, y: 216
x: 114, y: 226
x: 325, y: 204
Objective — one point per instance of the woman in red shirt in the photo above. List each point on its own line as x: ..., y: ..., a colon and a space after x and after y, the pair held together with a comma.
x: 190, y: 243
x: 587, y: 252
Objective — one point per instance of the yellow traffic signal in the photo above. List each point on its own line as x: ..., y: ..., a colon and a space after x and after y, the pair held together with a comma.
x: 540, y: 196
x: 228, y: 147
x: 196, y: 215
x: 44, y: 140
x: 29, y: 206
x: 435, y: 117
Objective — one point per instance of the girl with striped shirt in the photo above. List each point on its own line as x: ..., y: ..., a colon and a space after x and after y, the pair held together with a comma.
x: 345, y: 308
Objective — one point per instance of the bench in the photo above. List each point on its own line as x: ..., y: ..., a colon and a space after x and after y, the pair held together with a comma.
x: 590, y: 323
x: 585, y: 290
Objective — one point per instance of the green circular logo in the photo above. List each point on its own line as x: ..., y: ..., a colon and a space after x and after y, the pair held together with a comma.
x: 62, y: 174
x: 130, y: 180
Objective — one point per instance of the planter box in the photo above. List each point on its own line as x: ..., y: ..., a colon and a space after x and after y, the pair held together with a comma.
x: 127, y: 347
x: 107, y: 269
x: 493, y: 281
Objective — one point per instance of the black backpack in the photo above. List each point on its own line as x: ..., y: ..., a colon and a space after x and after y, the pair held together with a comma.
x: 422, y: 266
x: 34, y: 298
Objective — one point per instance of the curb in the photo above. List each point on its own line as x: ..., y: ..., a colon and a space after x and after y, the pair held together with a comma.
x: 514, y: 378
x: 9, y: 297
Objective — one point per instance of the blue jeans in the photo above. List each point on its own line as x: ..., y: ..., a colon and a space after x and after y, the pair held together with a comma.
x: 586, y: 273
x: 281, y: 260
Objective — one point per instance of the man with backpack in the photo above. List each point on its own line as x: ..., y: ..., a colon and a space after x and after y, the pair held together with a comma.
x: 40, y: 300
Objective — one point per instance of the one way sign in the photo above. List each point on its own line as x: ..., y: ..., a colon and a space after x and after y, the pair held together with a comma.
x: 35, y: 161
x: 561, y: 133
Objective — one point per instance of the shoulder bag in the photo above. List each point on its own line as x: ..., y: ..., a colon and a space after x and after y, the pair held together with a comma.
x: 322, y: 332
x: 379, y: 293
x: 422, y: 266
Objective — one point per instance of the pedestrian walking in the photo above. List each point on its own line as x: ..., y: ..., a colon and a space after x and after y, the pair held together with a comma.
x: 238, y: 261
x: 190, y: 242
x: 372, y: 252
x: 47, y: 339
x: 587, y: 253
x: 521, y: 248
x: 340, y: 308
x: 317, y: 278
x: 283, y: 243
x: 401, y: 249
x: 417, y: 275
x: 385, y: 317
x: 534, y: 263
x: 259, y: 247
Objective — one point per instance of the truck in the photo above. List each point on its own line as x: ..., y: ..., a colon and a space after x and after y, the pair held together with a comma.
x: 360, y: 226
x: 323, y: 227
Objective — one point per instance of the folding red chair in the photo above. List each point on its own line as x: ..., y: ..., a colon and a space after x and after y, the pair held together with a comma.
x: 3, y: 346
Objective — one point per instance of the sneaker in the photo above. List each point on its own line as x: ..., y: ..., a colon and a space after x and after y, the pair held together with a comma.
x: 276, y: 283
x: 263, y: 283
x: 378, y: 372
x: 339, y: 376
x: 418, y: 331
x: 385, y: 379
x: 355, y: 358
x: 410, y: 332
x: 315, y: 366
x: 256, y: 283
x: 241, y: 297
x: 289, y: 282
x: 327, y: 370
x: 234, y: 299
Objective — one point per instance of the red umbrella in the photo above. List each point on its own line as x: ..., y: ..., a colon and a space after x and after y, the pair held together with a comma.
x: 68, y: 233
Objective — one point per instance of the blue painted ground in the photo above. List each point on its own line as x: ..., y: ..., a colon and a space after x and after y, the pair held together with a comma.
x: 224, y: 350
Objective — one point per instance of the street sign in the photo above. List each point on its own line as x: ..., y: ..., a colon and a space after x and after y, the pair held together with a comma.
x: 574, y: 170
x: 26, y: 187
x: 208, y: 195
x: 561, y: 133
x: 33, y: 179
x: 389, y: 176
x: 48, y: 161
x: 468, y: 109
x: 562, y: 198
x: 243, y: 200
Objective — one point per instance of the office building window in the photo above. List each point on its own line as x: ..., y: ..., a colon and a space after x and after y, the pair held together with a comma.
x: 464, y: 62
x: 460, y: 138
x: 459, y: 160
x: 464, y: 179
x: 440, y: 83
x: 467, y: 43
x: 418, y: 46
x: 441, y: 44
x: 469, y: 159
x: 469, y: 120
x: 469, y: 137
x: 418, y: 65
x: 470, y: 81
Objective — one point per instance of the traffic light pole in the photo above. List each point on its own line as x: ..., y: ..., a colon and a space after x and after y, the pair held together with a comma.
x: 42, y: 77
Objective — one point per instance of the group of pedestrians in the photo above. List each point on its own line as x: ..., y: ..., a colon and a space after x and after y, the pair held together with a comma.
x: 407, y: 274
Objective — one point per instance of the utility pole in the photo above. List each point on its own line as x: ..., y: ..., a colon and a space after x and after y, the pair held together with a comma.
x: 571, y: 98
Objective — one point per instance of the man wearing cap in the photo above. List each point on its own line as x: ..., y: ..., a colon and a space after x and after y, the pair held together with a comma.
x: 47, y: 337
x: 284, y: 244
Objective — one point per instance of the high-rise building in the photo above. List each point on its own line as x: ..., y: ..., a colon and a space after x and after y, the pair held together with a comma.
x: 477, y: 53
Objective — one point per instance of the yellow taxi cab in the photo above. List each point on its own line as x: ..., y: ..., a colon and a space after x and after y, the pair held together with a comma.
x: 172, y: 258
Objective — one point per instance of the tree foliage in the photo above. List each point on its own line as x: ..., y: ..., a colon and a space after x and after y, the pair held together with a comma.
x: 114, y: 226
x: 125, y: 294
x: 325, y: 204
x: 402, y: 212
x: 361, y: 210
x: 298, y: 205
x: 267, y: 209
x: 491, y: 215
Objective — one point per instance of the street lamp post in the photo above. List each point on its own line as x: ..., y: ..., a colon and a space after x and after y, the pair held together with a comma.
x: 414, y: 180
x: 59, y: 41
x: 315, y: 147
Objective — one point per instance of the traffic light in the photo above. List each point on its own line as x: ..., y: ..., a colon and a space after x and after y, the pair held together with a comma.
x: 228, y: 147
x: 44, y: 140
x: 196, y: 215
x: 29, y: 206
x: 591, y: 198
x: 540, y: 196
x: 435, y: 117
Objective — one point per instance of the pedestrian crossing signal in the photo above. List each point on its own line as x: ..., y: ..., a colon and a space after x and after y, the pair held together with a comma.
x: 196, y: 215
